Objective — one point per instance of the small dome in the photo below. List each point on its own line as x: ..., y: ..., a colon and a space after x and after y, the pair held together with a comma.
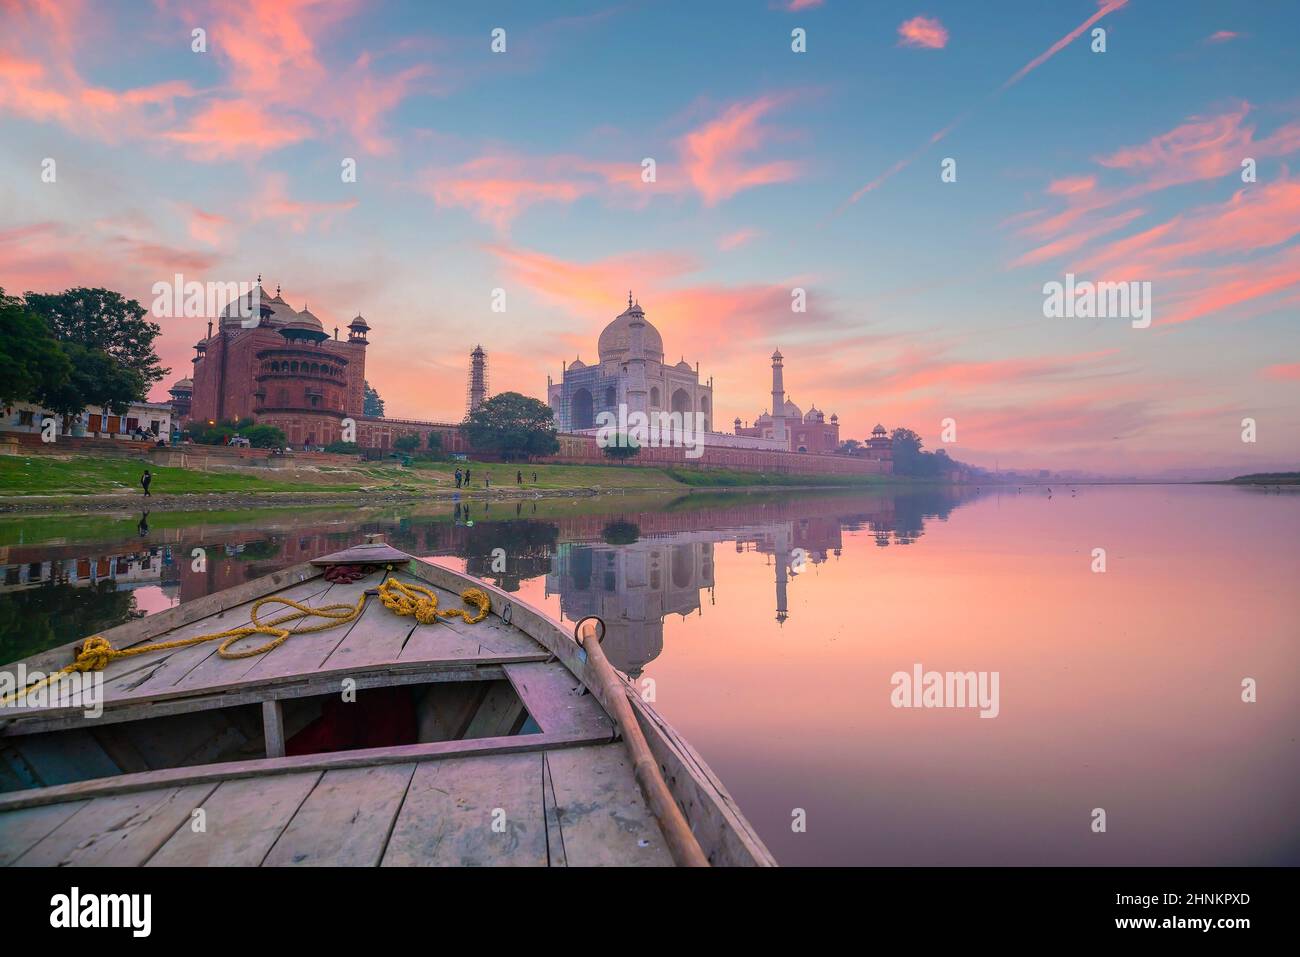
x: 182, y: 384
x: 577, y: 364
x: 791, y: 411
x: 684, y: 366
x: 358, y: 323
x: 304, y: 326
x: 878, y: 430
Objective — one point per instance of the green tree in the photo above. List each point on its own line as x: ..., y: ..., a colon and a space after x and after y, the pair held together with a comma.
x: 512, y: 426
x: 907, y: 452
x: 623, y: 448
x: 31, y: 361
x: 407, y: 443
x: 96, y: 379
x: 102, y: 319
x: 372, y: 404
x: 435, y: 441
x: 343, y: 448
x: 264, y: 436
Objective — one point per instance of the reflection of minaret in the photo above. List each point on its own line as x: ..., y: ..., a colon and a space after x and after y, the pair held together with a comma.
x: 781, y: 552
x: 478, y: 381
x: 778, y: 399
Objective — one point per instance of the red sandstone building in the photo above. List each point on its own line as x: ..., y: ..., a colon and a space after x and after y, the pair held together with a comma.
x: 289, y: 372
x: 788, y: 424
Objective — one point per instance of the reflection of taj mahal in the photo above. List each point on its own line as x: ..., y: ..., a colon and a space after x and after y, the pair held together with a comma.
x: 634, y: 587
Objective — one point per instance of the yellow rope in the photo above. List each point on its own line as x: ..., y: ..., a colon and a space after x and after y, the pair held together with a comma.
x: 405, y: 600
x: 421, y: 603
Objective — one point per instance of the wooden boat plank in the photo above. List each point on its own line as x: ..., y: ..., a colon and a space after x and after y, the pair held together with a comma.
x: 243, y: 820
x: 551, y: 815
x: 555, y: 699
x: 450, y: 808
x: 491, y: 634
x: 212, y: 669
x: 138, y: 630
x: 19, y: 830
x: 345, y: 820
x: 120, y: 831
x: 305, y: 653
x: 167, y: 669
x: 376, y: 638
x: 603, y: 818
x: 261, y: 767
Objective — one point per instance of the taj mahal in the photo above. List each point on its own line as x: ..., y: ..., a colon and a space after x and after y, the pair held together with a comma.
x: 630, y: 371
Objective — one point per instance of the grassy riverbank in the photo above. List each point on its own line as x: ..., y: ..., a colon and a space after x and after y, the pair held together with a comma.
x: 87, y: 478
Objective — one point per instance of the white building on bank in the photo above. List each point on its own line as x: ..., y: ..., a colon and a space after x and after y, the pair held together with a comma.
x: 153, y: 419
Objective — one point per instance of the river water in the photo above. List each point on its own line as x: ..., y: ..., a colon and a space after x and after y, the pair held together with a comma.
x: 774, y: 630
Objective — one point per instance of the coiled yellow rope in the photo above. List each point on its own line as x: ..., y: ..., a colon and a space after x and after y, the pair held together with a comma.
x: 406, y: 600
x: 420, y: 602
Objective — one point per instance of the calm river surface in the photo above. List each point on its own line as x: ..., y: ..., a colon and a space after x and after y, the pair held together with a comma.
x: 770, y: 627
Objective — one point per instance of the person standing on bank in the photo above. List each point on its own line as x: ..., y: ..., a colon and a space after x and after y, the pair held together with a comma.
x: 519, y: 477
x: 145, y: 479
x: 458, y: 478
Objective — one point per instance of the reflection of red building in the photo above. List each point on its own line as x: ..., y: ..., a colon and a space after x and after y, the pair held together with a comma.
x: 287, y: 371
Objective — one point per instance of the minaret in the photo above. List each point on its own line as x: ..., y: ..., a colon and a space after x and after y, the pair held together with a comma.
x: 778, y: 400
x: 635, y: 388
x: 478, y: 381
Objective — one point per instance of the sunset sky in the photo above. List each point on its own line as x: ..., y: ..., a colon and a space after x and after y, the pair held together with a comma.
x: 522, y: 170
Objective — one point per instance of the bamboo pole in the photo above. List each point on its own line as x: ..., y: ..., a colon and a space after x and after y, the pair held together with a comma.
x: 683, y: 846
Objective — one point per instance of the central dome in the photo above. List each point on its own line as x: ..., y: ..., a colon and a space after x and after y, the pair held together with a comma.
x: 617, y: 339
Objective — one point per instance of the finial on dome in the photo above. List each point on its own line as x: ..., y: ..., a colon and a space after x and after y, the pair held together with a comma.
x: 277, y: 290
x: 629, y: 298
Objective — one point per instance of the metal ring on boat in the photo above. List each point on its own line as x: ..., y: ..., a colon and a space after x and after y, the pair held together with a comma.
x: 600, y: 638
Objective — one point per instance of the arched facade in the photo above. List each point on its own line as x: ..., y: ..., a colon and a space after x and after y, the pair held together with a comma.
x: 631, y: 372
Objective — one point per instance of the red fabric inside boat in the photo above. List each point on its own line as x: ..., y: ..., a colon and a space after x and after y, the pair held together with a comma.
x: 379, y: 718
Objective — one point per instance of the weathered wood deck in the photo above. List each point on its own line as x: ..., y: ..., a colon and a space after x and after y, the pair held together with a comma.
x: 577, y: 806
x: 474, y: 791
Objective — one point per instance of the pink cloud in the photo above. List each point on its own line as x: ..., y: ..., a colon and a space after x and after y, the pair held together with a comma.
x: 713, y: 155
x: 276, y: 88
x: 794, y: 6
x: 234, y: 129
x: 1282, y: 372
x: 737, y: 239
x: 499, y: 187
x: 1221, y: 36
x: 1072, y: 185
x: 273, y: 202
x: 1257, y: 218
x: 926, y: 33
